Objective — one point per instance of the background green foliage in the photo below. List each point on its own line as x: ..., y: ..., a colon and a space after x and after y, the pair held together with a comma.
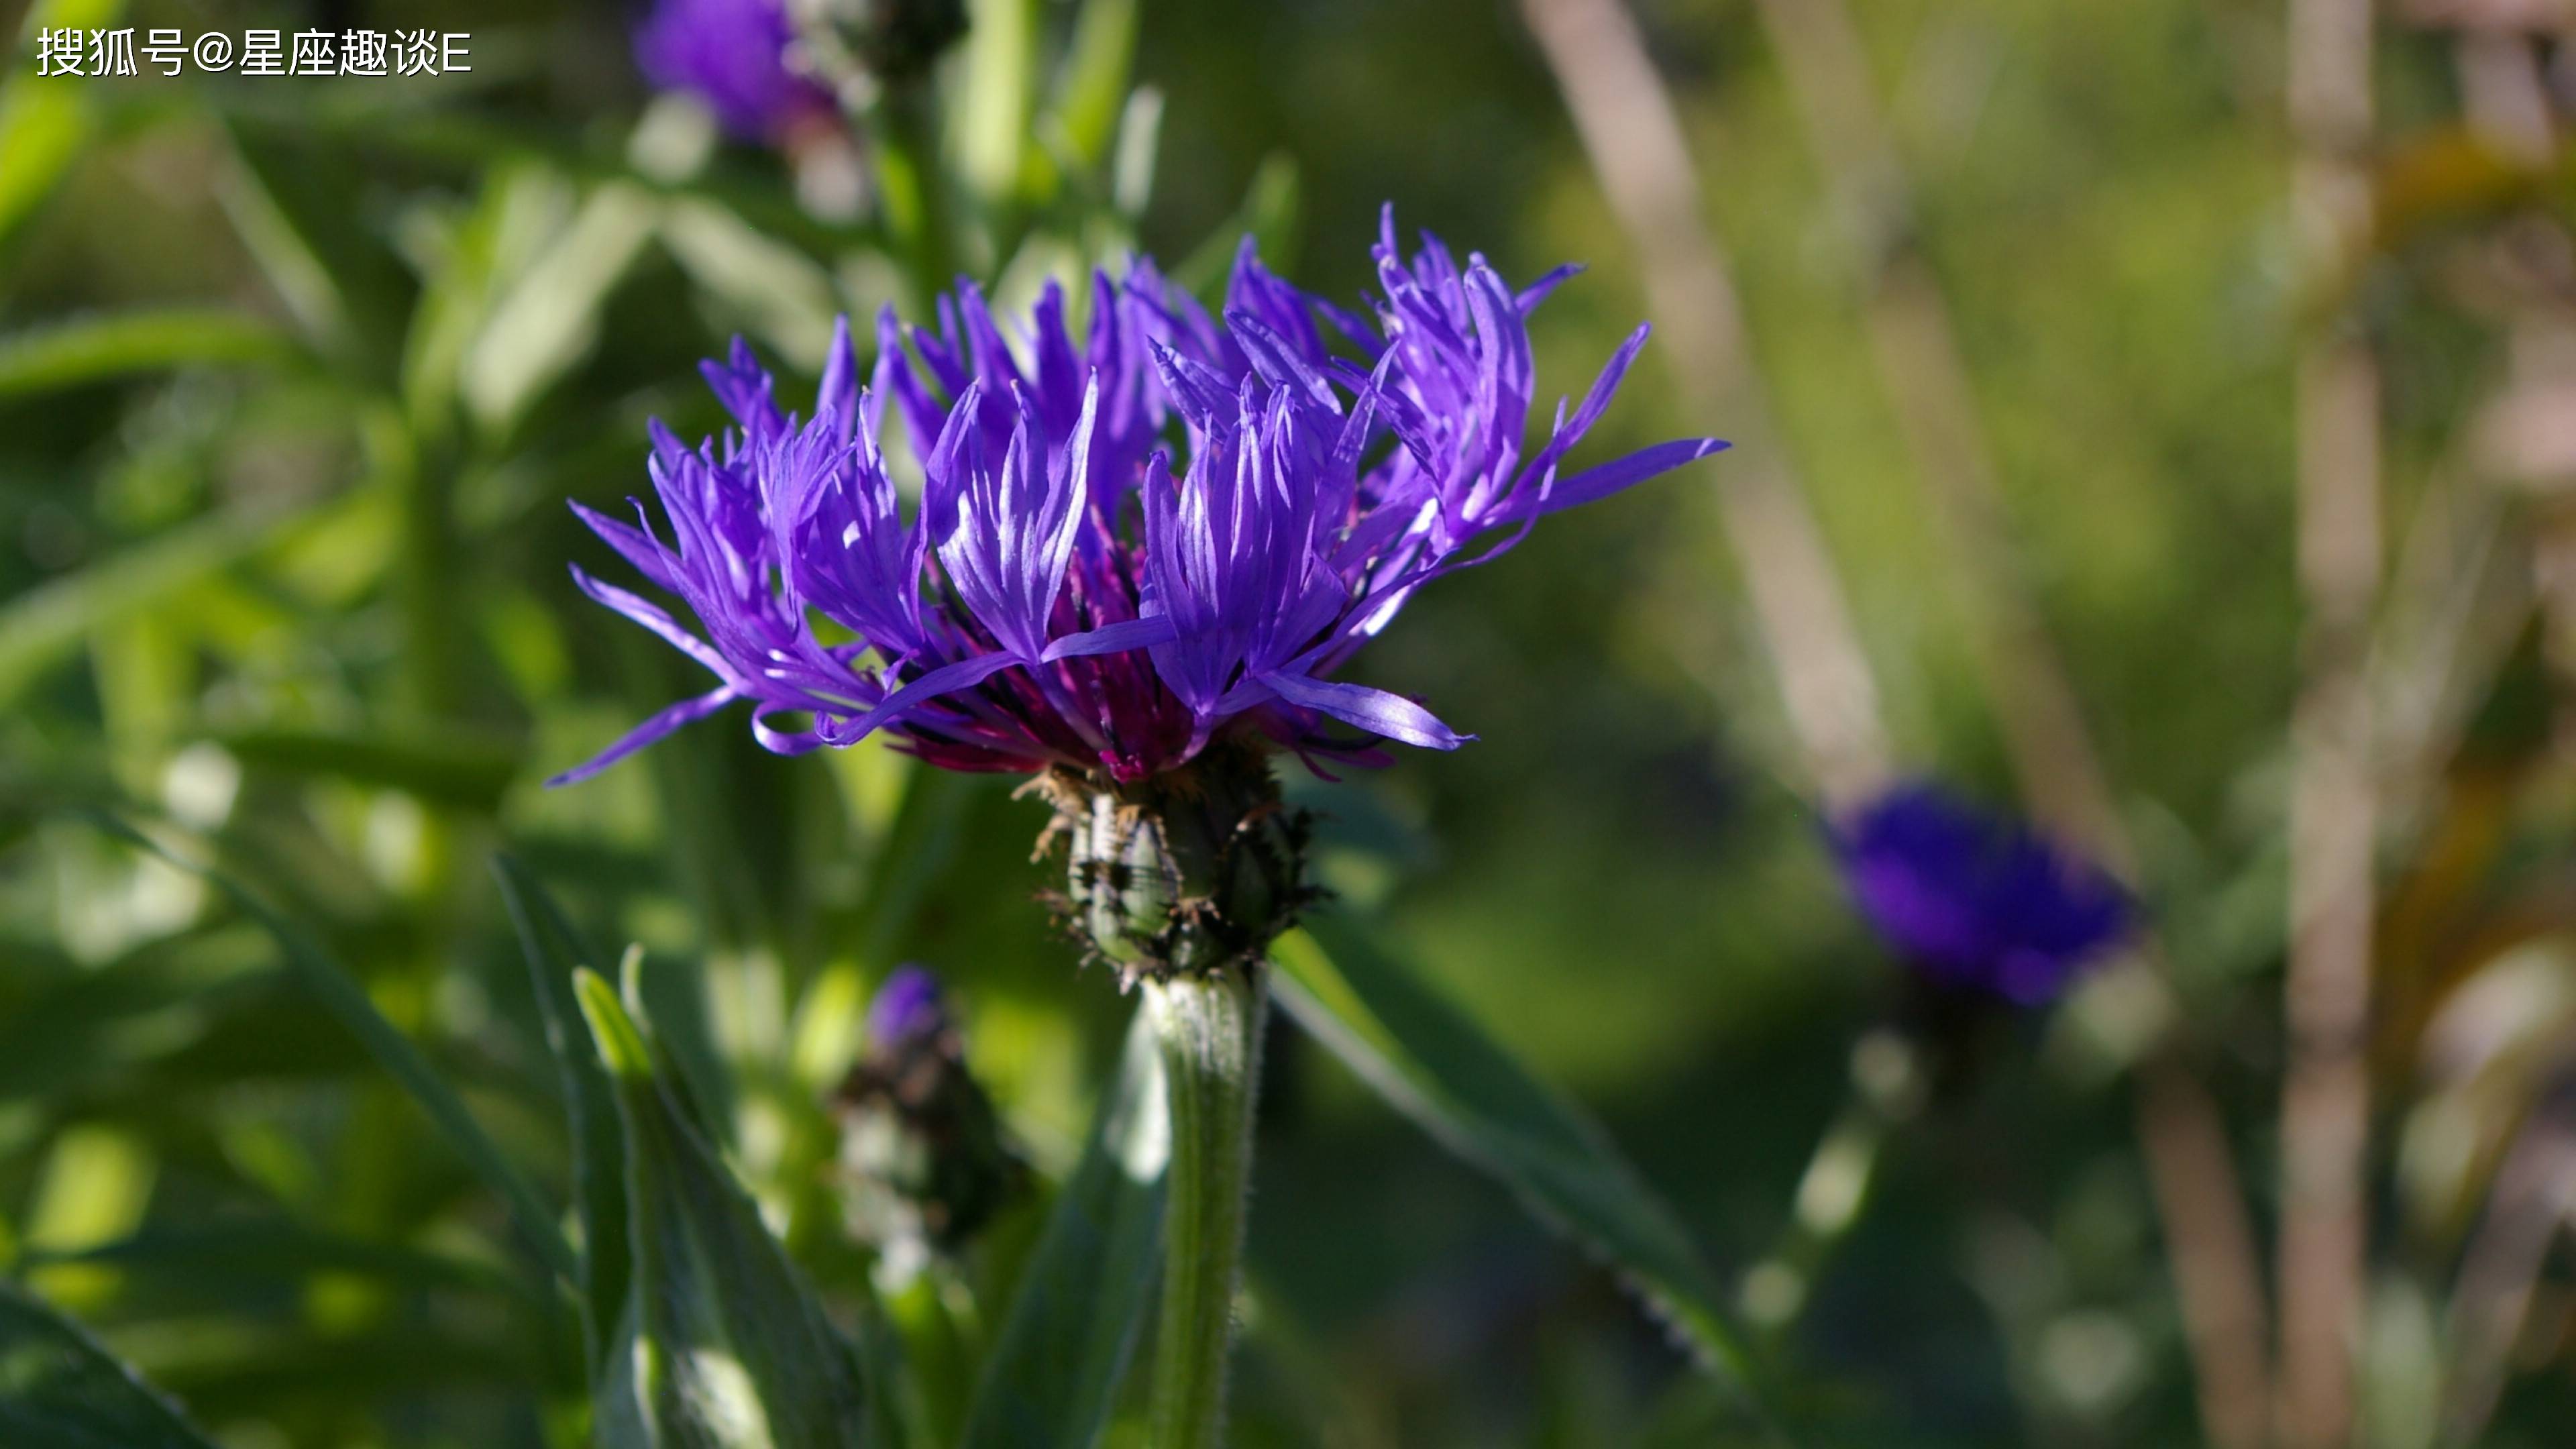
x: 294, y: 378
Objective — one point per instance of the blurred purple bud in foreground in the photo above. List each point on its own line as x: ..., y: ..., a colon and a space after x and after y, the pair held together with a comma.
x: 908, y: 1010
x: 731, y: 55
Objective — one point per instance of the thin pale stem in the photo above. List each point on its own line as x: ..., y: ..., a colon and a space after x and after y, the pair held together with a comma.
x: 1210, y: 1031
x: 1633, y: 134
x: 2325, y: 1105
x: 1634, y: 137
x: 1834, y: 1191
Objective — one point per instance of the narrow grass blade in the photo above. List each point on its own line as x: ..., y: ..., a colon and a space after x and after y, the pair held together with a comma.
x: 60, y: 1390
x: 96, y: 348
x: 1437, y: 1067
x: 1093, y: 85
x: 555, y: 951
x: 339, y: 993
x: 451, y: 766
x: 1053, y: 1374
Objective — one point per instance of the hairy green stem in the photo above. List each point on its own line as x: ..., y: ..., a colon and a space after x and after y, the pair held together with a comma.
x: 1210, y: 1030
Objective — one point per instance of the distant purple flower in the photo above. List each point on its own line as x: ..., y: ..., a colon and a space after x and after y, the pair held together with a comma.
x: 1976, y: 900
x: 906, y: 1010
x: 732, y: 56
x: 1066, y: 594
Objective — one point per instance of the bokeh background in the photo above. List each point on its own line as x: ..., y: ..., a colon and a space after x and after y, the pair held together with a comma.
x: 294, y: 378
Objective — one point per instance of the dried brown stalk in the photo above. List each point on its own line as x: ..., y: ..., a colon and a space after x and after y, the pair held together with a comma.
x: 2325, y: 1110
x: 1635, y: 140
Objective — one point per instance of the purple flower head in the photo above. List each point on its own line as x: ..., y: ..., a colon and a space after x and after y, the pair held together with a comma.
x: 1138, y: 532
x: 907, y: 1010
x: 1975, y: 900
x: 731, y: 55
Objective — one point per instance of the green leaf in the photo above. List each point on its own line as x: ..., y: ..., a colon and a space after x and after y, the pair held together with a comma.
x: 1439, y: 1068
x: 1268, y: 215
x: 555, y: 951
x: 456, y: 767
x: 288, y: 198
x: 45, y: 121
x: 92, y: 349
x: 547, y: 320
x: 41, y: 625
x: 120, y: 1018
x: 724, y: 1345
x: 255, y: 1258
x: 60, y: 1390
x: 1054, y: 1372
x: 989, y: 129
x: 1093, y: 86
x: 775, y: 292
x: 338, y: 992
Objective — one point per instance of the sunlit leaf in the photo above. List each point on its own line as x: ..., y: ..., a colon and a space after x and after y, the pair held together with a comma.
x: 780, y: 295
x: 990, y: 127
x: 45, y: 121
x: 548, y: 318
x: 93, y: 349
x: 1439, y: 1068
x: 725, y: 1346
x: 1093, y: 88
x: 1082, y: 1299
x: 60, y: 1390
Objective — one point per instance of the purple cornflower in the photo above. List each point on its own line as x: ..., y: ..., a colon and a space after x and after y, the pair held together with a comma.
x: 732, y: 56
x: 1067, y: 594
x: 1975, y: 900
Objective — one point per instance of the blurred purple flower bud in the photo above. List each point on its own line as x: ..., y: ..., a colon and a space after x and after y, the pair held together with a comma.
x: 1975, y: 900
x: 732, y: 56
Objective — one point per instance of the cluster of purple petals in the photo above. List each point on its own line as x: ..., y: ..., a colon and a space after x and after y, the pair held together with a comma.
x: 1132, y: 537
x: 732, y: 56
x: 1977, y: 901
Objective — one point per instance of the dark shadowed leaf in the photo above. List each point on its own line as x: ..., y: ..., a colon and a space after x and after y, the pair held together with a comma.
x: 453, y: 767
x: 1054, y: 1373
x: 253, y: 1257
x: 1439, y: 1068
x: 555, y: 951
x: 60, y: 1390
x: 1268, y: 213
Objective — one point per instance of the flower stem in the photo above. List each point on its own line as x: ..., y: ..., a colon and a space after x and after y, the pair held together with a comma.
x: 1210, y: 1030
